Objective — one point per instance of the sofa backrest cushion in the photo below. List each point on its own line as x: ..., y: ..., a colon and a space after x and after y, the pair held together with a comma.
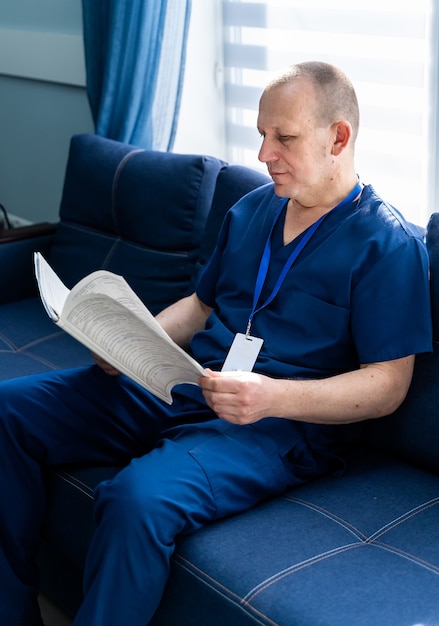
x: 233, y: 182
x: 134, y: 212
x: 412, y: 432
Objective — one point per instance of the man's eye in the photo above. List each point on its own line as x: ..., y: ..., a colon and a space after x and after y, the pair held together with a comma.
x: 285, y: 138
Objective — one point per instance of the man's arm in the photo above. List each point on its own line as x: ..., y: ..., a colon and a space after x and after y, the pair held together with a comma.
x: 374, y: 390
x: 184, y: 318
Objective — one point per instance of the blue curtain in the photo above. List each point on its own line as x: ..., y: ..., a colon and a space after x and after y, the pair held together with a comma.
x: 135, y: 53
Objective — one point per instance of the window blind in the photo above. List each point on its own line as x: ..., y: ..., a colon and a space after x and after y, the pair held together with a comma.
x: 386, y: 48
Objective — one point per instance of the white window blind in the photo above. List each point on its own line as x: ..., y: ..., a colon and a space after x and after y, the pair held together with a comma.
x: 385, y: 47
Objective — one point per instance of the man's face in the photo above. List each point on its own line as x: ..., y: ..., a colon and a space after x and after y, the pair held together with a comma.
x: 295, y: 147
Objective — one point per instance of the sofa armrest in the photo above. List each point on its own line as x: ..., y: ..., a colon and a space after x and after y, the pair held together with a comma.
x: 27, y: 232
x: 17, y: 246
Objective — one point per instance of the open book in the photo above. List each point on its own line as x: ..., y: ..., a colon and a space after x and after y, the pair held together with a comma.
x: 104, y: 313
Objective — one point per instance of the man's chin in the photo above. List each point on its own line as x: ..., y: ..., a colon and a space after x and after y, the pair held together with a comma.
x: 281, y: 190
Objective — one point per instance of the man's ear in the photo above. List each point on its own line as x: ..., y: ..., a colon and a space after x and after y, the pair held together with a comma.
x: 343, y: 134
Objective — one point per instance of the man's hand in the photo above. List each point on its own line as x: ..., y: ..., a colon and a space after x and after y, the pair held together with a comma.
x: 238, y: 397
x: 108, y: 369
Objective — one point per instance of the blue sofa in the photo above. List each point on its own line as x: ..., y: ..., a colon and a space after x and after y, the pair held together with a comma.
x: 357, y: 550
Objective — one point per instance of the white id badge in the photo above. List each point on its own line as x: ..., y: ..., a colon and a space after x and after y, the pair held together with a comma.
x: 243, y: 353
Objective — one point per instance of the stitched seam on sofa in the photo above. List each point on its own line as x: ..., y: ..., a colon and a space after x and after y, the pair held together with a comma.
x: 367, y: 541
x: 434, y: 569
x: 24, y: 350
x: 118, y: 239
x: 41, y: 340
x: 41, y: 360
x: 15, y: 348
x: 88, y: 230
x: 387, y: 527
x: 7, y: 342
x: 223, y: 591
x: 408, y: 515
x: 33, y: 357
x: 110, y: 253
x: 116, y: 178
x: 332, y: 516
x: 194, y: 229
x: 268, y: 582
x: 77, y: 484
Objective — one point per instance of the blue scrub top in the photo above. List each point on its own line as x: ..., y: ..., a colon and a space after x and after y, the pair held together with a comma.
x: 357, y: 293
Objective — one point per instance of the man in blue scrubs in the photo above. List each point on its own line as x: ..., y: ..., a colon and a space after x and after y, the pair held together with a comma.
x: 317, y: 299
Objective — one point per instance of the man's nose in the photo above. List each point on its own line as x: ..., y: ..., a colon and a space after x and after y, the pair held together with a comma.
x: 266, y: 152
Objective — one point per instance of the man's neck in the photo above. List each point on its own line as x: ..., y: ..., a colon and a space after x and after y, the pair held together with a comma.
x: 300, y: 216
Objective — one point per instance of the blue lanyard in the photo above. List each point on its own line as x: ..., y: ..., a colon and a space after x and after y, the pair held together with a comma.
x: 265, y: 261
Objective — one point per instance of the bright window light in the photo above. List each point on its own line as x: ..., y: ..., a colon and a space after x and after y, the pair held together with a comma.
x: 384, y: 47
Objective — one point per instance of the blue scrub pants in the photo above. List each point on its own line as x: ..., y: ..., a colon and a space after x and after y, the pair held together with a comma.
x: 183, y: 467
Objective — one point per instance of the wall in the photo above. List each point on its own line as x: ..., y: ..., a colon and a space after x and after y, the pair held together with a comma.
x: 44, y: 102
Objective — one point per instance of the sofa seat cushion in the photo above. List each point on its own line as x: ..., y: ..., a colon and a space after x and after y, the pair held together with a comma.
x: 30, y: 342
x: 356, y: 550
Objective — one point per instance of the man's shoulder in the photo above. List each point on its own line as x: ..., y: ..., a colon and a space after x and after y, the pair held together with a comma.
x: 383, y: 215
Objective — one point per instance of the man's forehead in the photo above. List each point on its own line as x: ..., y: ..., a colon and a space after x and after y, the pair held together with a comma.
x: 283, y: 103
x: 293, y: 84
